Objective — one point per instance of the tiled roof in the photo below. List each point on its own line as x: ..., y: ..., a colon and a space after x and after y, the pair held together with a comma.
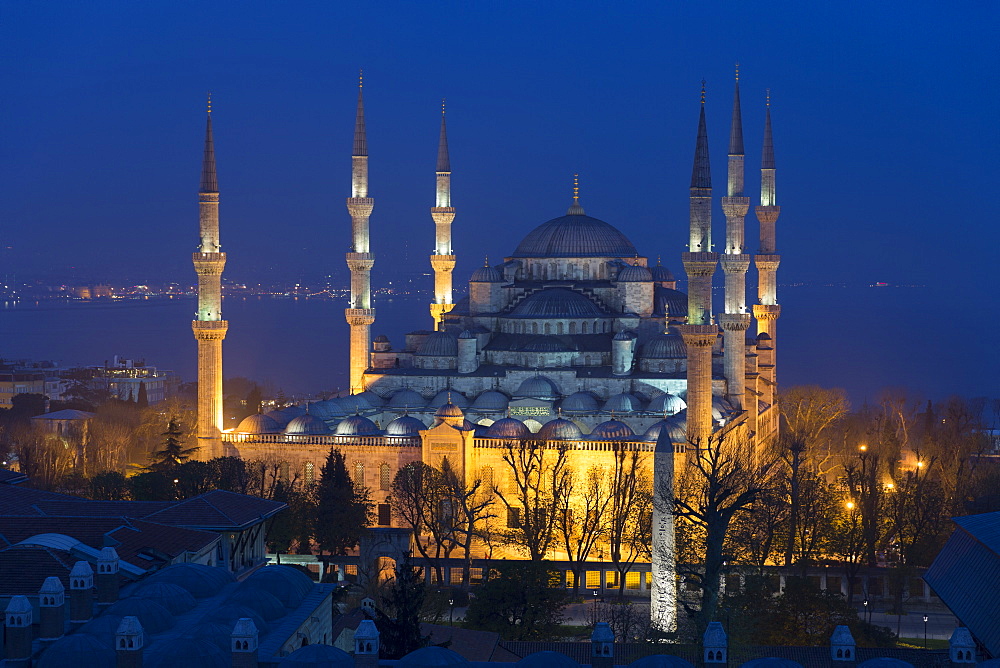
x: 9, y: 477
x: 68, y: 414
x: 22, y: 500
x: 142, y: 537
x: 217, y: 509
x: 23, y: 569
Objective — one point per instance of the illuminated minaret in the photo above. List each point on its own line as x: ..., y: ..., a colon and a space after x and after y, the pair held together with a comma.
x: 360, y: 316
x: 699, y: 263
x: 768, y: 310
x: 735, y: 262
x: 209, y: 327
x: 443, y: 260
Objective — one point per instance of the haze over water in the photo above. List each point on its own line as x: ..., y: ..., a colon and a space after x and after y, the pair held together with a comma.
x: 861, y: 339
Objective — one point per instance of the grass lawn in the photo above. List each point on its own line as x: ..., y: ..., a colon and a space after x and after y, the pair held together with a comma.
x: 918, y: 643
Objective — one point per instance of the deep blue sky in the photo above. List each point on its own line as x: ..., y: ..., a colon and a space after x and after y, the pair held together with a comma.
x: 884, y: 118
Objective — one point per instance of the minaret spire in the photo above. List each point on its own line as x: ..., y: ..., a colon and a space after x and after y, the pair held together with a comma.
x: 698, y: 332
x: 360, y: 314
x: 442, y: 213
x: 575, y: 209
x: 209, y: 328
x: 767, y: 260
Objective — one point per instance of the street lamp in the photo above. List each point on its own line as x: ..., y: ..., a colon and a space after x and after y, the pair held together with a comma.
x: 867, y: 618
x: 451, y: 612
x: 925, y: 631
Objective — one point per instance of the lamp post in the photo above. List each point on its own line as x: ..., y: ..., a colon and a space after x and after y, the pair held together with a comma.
x: 595, y: 607
x: 925, y: 631
x: 451, y: 612
x: 867, y: 618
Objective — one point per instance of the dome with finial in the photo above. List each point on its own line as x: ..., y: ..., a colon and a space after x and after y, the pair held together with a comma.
x: 438, y: 344
x: 575, y: 235
x: 445, y: 396
x: 486, y: 274
x: 490, y: 401
x: 407, y: 400
x: 675, y: 426
x: 404, y: 425
x: 666, y: 403
x: 356, y: 425
x: 258, y: 423
x: 664, y: 347
x: 622, y: 403
x: 560, y: 429
x: 580, y: 402
x: 508, y: 427
x: 449, y: 410
x: 634, y: 274
x: 538, y: 387
x: 612, y: 430
x: 307, y: 425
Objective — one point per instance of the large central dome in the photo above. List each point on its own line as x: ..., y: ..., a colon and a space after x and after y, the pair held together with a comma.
x: 575, y: 235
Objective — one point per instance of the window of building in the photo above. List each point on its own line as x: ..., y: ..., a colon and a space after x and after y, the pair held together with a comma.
x: 513, y: 518
x: 383, y: 477
x: 384, y: 514
x: 284, y: 471
x: 486, y: 475
x: 310, y: 472
x: 359, y: 474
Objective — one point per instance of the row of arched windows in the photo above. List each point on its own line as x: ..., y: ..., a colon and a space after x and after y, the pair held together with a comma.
x: 558, y: 327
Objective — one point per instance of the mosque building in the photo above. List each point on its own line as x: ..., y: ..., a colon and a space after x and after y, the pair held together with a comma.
x: 576, y: 340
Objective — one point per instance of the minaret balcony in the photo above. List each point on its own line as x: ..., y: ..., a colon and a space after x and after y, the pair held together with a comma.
x: 208, y: 263
x: 359, y: 316
x: 360, y: 261
x: 210, y: 330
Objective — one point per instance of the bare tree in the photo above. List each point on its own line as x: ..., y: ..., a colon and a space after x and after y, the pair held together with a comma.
x: 580, y: 520
x: 538, y: 478
x: 810, y: 414
x: 473, y: 506
x: 421, y: 499
x: 630, y: 511
x: 722, y: 480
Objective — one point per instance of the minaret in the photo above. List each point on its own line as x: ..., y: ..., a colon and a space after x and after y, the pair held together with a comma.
x: 699, y: 263
x: 735, y: 263
x: 768, y: 310
x: 209, y: 327
x: 443, y: 260
x: 360, y: 316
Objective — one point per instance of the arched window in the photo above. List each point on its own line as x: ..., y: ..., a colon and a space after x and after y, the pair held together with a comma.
x: 585, y: 326
x: 534, y: 328
x: 548, y: 328
x: 359, y: 474
x: 310, y: 473
x: 383, y: 477
x: 559, y: 328
x: 572, y: 328
x: 586, y: 271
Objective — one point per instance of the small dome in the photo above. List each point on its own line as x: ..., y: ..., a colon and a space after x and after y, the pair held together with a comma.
x: 404, y: 425
x: 190, y: 652
x: 556, y: 303
x: 677, y: 429
x: 486, y: 275
x: 261, y: 601
x: 153, y: 616
x: 538, y: 387
x: 444, y: 396
x: 230, y: 613
x: 666, y: 403
x: 547, y: 659
x: 331, y: 409
x: 508, y: 427
x: 373, y: 400
x: 661, y: 274
x: 381, y: 338
x: 664, y: 347
x: 438, y: 344
x: 356, y: 425
x: 287, y: 584
x: 407, y: 400
x: 449, y: 410
x: 490, y: 401
x: 317, y: 656
x: 432, y: 657
x: 580, y: 402
x: 547, y: 344
x: 174, y: 598
x: 634, y: 274
x: 763, y: 336
x: 667, y: 301
x: 199, y: 580
x: 103, y: 627
x: 78, y: 649
x: 612, y: 429
x: 622, y: 403
x: 279, y: 418
x: 292, y: 412
x: 360, y: 403
x: 721, y: 408
x: 258, y: 424
x: 661, y: 661
x: 307, y: 425
x: 466, y: 334
x: 560, y: 429
x: 624, y: 335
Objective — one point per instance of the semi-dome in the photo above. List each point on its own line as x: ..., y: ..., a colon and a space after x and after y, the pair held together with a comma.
x: 612, y: 429
x: 666, y: 403
x: 438, y: 344
x: 355, y: 425
x: 314, y: 656
x: 721, y: 408
x: 664, y: 347
x: 622, y: 403
x: 508, y: 427
x: 78, y: 649
x: 258, y: 423
x: 546, y: 343
x: 575, y: 235
x: 547, y: 659
x: 307, y: 425
x: 404, y: 425
x: 432, y: 657
x: 667, y: 301
x: 560, y: 429
x: 556, y: 303
x: 448, y: 396
x: 486, y: 275
x: 407, y: 400
x: 624, y: 335
x: 661, y: 274
x: 466, y: 334
x: 634, y: 274
x: 538, y: 387
x: 580, y: 402
x: 490, y: 401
